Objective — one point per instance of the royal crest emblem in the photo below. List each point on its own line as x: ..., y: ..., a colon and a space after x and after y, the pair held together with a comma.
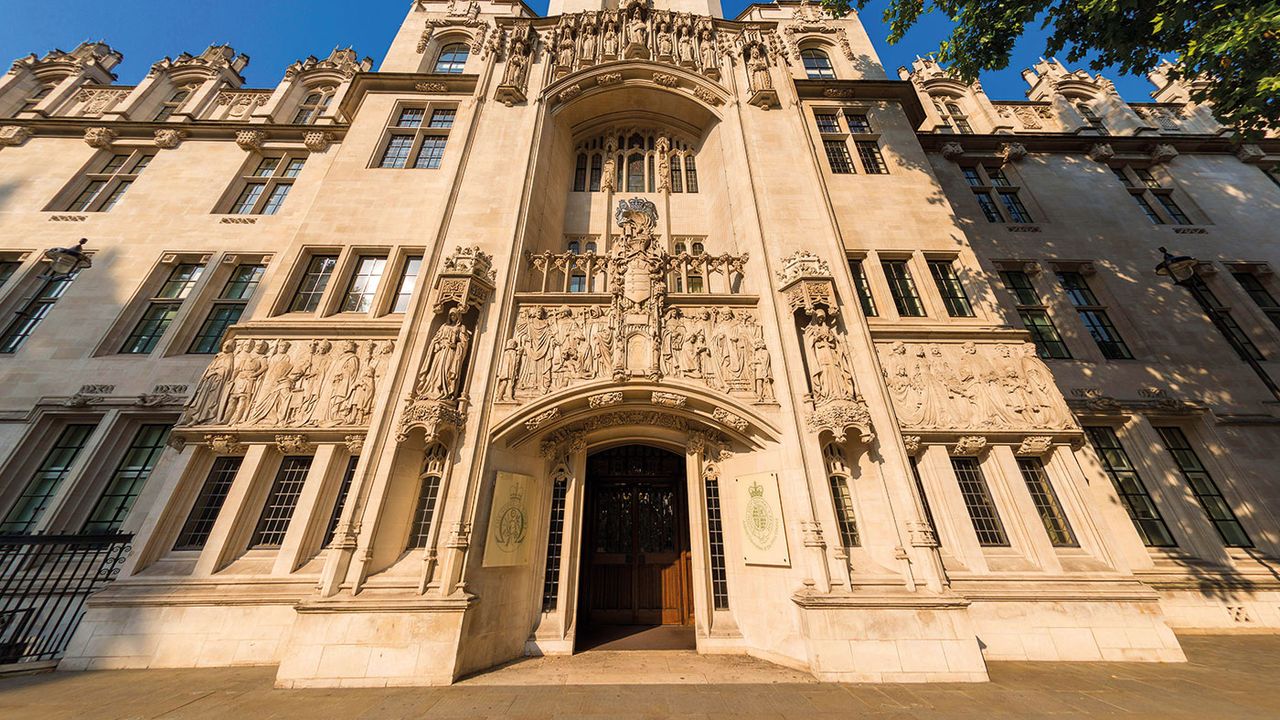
x: 761, y: 524
x: 512, y: 522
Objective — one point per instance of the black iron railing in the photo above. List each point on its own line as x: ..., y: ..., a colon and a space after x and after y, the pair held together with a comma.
x: 44, y: 582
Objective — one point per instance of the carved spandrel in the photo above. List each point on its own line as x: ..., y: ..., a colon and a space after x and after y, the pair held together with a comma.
x: 973, y: 387
x: 290, y: 383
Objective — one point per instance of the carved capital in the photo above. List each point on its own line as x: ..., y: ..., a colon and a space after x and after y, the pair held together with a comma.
x: 14, y: 135
x: 354, y: 443
x: 952, y: 151
x: 294, y: 444
x: 99, y: 138
x: 466, y: 279
x: 436, y: 419
x: 251, y: 140
x: 1034, y: 446
x: 970, y: 446
x: 225, y: 444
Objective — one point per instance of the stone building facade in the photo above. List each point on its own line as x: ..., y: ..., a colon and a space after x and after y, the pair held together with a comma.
x: 635, y: 315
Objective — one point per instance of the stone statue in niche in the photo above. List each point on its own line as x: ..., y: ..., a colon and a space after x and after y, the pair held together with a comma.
x: 707, y: 52
x: 588, y: 40
x: 509, y: 370
x: 565, y: 57
x: 611, y: 39
x: 972, y: 387
x: 665, y: 45
x: 758, y: 69
x: 436, y: 404
x: 288, y: 383
x: 830, y: 372
x: 686, y: 46
x: 762, y: 371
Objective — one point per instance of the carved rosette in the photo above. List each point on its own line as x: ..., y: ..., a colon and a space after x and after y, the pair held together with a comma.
x: 912, y: 444
x: 14, y: 135
x: 99, y: 138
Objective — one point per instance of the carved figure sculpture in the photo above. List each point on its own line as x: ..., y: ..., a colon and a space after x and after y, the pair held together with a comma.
x: 206, y: 401
x: 829, y: 372
x: 342, y: 384
x: 447, y: 352
x: 246, y: 382
x: 509, y: 370
x: 707, y: 51
x: 664, y: 41
x: 611, y: 40
x: 517, y: 64
x: 565, y: 59
x: 686, y: 47
x: 758, y: 68
x: 762, y: 372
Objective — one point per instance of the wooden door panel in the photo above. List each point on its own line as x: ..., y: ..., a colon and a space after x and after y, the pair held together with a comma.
x: 637, y: 552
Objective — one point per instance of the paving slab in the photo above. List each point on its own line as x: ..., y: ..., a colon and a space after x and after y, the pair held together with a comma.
x: 1236, y: 676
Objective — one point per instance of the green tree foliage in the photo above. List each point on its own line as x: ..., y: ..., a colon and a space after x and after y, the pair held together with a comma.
x: 1233, y: 43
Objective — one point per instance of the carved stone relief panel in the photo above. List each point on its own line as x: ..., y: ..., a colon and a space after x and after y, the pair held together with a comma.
x: 637, y: 331
x: 972, y: 387
x: 279, y: 383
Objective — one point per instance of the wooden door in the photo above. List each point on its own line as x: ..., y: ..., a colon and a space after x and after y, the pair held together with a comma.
x: 637, y: 552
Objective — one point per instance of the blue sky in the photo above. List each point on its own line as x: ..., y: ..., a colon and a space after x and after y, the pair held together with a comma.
x: 274, y: 33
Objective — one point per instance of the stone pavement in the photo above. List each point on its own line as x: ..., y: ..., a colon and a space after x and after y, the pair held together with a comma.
x: 1227, y: 677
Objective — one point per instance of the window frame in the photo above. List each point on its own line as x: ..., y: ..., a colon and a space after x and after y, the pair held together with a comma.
x: 993, y: 535
x: 999, y: 198
x: 221, y: 301
x: 112, y: 182
x: 1139, y: 488
x: 1091, y: 306
x: 1201, y: 484
x: 416, y: 139
x: 149, y: 341
x: 1027, y: 310
x: 817, y: 72
x: 955, y: 300
x: 308, y: 112
x: 283, y: 173
x: 452, y: 66
x: 1144, y: 187
x: 895, y: 288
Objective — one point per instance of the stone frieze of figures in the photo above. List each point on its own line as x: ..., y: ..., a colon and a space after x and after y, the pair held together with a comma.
x: 557, y: 346
x: 972, y: 386
x: 281, y: 383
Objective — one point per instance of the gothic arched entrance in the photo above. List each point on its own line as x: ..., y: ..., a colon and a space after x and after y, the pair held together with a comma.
x: 635, y: 551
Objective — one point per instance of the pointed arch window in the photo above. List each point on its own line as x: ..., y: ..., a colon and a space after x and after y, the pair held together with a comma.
x: 433, y: 466
x: 580, y: 173
x: 840, y: 477
x: 452, y: 59
x: 635, y: 172
x: 313, y: 106
x: 690, y: 174
x: 817, y: 64
x: 170, y: 106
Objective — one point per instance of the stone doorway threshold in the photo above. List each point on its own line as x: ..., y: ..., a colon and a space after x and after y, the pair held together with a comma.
x: 637, y: 637
x: 645, y: 667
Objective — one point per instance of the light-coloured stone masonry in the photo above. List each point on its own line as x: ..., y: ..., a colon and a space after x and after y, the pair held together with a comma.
x: 491, y: 265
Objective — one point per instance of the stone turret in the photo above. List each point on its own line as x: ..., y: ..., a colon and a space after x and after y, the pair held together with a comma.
x: 35, y: 84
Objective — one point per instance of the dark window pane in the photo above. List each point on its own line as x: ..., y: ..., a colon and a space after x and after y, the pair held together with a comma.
x: 872, y: 160
x: 1129, y: 487
x: 903, y: 288
x: 1046, y: 501
x: 431, y: 153
x: 838, y: 156
x: 26, y: 511
x: 977, y: 500
x: 953, y: 295
x: 863, y: 287
x: 204, y: 513
x: 1204, y: 488
x: 281, y: 502
x: 314, y: 281
x: 113, y: 505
